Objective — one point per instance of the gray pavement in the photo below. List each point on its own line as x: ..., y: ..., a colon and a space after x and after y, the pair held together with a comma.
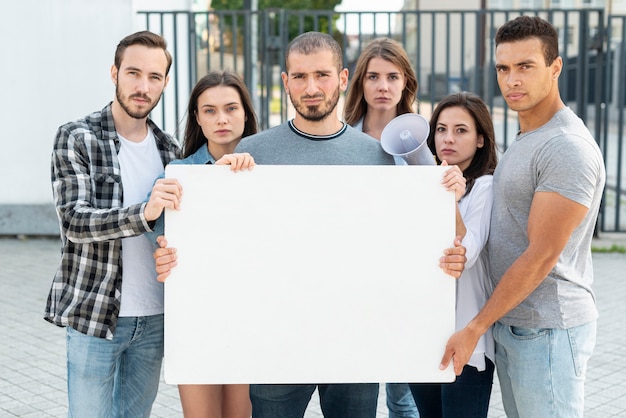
x: 32, y: 351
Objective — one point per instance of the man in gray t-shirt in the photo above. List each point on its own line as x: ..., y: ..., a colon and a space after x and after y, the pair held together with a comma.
x: 547, y: 192
x: 314, y: 77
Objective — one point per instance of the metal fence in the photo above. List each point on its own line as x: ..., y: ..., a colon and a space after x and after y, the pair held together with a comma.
x: 450, y: 51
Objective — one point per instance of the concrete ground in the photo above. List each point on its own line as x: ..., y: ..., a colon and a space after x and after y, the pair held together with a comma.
x: 32, y: 351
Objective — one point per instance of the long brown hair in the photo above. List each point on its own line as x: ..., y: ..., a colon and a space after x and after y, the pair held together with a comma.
x: 486, y: 158
x: 194, y: 138
x: 389, y: 50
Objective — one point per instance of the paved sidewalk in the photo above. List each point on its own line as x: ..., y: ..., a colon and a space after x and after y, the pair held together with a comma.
x: 32, y: 351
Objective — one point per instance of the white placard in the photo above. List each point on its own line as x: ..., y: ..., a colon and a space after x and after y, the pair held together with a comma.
x: 309, y: 274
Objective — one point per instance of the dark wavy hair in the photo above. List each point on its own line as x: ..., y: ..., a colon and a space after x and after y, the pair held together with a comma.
x: 393, y: 52
x: 486, y: 158
x: 194, y: 138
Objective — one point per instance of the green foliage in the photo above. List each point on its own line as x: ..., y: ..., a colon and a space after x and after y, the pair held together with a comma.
x: 612, y: 249
x: 282, y: 4
x: 322, y: 20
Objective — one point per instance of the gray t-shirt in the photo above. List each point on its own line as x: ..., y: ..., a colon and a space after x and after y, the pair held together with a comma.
x: 286, y: 145
x: 560, y: 157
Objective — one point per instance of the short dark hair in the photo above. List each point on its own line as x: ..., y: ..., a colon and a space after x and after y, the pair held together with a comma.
x: 524, y: 27
x: 310, y: 42
x: 145, y: 38
x: 194, y: 138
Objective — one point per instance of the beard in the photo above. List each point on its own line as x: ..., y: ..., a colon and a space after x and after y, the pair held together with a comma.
x: 126, y: 105
x: 318, y: 112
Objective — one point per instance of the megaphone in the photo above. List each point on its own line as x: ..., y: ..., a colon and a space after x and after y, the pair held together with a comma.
x: 405, y: 136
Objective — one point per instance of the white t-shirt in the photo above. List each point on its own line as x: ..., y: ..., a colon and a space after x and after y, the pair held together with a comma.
x: 140, y: 165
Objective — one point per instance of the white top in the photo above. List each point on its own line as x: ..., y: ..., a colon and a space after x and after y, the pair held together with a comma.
x: 473, y: 287
x: 140, y: 165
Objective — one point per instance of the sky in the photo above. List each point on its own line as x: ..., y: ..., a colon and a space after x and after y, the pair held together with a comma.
x: 367, y: 21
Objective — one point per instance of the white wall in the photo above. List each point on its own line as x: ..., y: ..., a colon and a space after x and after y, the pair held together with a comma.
x: 56, y: 57
x: 56, y: 69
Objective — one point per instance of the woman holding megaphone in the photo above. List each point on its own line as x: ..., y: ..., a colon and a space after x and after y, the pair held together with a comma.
x: 383, y: 86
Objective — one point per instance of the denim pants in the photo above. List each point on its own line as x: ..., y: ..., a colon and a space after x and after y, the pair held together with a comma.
x: 467, y: 397
x: 542, y: 370
x: 400, y: 401
x: 358, y: 400
x: 118, y: 377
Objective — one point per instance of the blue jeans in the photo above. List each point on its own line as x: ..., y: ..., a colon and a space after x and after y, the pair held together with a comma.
x: 542, y: 370
x: 357, y: 400
x: 400, y: 401
x: 118, y: 377
x: 467, y: 397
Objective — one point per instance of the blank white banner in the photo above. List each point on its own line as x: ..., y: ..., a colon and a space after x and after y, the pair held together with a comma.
x: 309, y: 274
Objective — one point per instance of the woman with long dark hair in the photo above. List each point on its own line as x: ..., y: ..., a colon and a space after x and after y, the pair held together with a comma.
x: 219, y: 114
x: 461, y: 133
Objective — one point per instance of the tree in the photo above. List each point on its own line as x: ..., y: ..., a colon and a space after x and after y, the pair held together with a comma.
x: 322, y: 22
x: 274, y: 4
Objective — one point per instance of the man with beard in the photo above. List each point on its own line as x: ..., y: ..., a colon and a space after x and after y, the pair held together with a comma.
x: 314, y: 77
x: 114, y: 343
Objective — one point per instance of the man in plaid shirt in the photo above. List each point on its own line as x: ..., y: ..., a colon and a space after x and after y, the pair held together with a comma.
x: 103, y: 167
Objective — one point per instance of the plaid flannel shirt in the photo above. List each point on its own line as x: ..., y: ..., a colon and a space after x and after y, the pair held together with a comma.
x: 87, y: 189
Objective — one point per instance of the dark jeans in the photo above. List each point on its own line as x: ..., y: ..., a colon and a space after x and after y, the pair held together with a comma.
x: 467, y: 397
x: 336, y: 400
